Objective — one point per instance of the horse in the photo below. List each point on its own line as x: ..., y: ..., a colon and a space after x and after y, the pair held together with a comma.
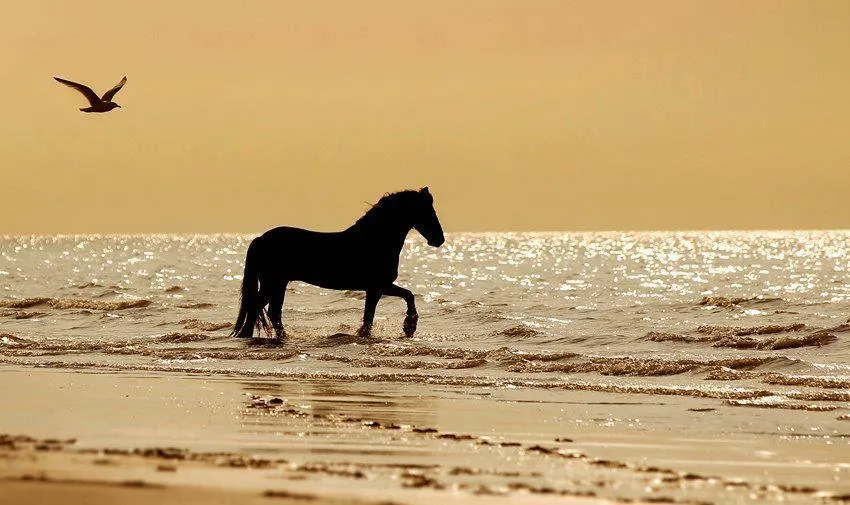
x: 363, y: 257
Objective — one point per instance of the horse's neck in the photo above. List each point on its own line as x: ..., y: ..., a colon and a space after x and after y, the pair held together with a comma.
x: 391, y: 236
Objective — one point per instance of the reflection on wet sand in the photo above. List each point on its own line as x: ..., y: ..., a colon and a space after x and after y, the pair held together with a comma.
x: 344, y: 399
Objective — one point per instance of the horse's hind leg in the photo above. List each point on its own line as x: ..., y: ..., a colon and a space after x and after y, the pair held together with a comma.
x: 412, y: 316
x: 276, y: 296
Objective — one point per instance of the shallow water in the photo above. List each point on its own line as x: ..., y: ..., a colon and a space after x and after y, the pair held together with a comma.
x: 747, y: 324
x: 717, y: 314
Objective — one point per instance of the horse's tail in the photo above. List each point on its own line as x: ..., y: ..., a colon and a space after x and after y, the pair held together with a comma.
x: 251, y: 312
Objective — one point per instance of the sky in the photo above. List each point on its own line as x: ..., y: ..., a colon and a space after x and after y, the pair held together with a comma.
x: 239, y: 116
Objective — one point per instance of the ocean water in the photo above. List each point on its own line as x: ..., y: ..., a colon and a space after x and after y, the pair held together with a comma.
x: 753, y: 323
x: 749, y: 317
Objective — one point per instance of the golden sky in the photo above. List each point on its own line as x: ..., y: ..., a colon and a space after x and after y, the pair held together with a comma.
x: 519, y: 115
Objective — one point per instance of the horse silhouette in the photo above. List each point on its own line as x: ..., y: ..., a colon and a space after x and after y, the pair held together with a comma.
x: 363, y: 257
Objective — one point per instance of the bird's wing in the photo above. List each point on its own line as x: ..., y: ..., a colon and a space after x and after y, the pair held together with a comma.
x: 107, y: 97
x: 90, y: 95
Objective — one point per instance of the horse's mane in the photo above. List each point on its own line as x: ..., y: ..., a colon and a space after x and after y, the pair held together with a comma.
x: 390, y: 204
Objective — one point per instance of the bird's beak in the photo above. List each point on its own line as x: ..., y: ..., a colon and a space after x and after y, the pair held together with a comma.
x: 117, y: 105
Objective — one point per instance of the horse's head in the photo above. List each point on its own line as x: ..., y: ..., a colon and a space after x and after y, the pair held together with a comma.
x: 425, y: 219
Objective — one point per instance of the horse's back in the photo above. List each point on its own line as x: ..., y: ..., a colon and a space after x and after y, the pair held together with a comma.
x: 298, y: 242
x: 288, y: 233
x: 335, y: 260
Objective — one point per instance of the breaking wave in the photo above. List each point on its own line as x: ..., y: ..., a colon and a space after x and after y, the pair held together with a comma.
x: 774, y: 402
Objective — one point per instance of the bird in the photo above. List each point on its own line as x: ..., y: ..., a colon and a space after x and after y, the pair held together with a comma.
x: 98, y: 104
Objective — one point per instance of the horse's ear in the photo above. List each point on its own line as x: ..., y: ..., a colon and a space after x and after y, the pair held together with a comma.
x: 427, y: 194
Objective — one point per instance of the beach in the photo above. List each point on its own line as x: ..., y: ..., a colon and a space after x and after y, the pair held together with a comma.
x: 586, y: 368
x: 130, y: 433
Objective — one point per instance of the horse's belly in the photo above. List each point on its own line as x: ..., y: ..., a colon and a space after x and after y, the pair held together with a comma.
x: 344, y: 275
x: 353, y: 281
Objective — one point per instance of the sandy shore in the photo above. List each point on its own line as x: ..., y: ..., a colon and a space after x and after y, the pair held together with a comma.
x: 39, y: 471
x: 85, y: 492
x: 117, y: 437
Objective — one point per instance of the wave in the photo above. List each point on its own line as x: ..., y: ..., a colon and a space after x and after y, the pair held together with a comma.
x: 523, y: 362
x: 737, y: 337
x: 220, y: 354
x: 370, y: 362
x: 817, y: 339
x: 829, y: 396
x: 22, y: 348
x: 735, y: 302
x: 620, y: 367
x: 722, y: 392
x: 11, y: 340
x: 806, y: 380
x: 779, y: 379
x: 197, y: 324
x: 399, y: 357
x: 199, y: 305
x: 519, y: 331
x: 640, y: 367
x: 17, y: 347
x: 711, y: 333
x: 127, y: 346
x: 497, y: 355
x: 775, y: 402
x: 108, y: 293
x: 740, y: 331
x: 448, y: 353
x: 74, y: 303
x: 510, y: 354
x: 661, y: 336
x: 21, y: 314
x: 89, y: 285
x: 180, y: 338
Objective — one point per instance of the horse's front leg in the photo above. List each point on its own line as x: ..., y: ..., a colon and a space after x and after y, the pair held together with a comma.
x: 372, y: 297
x: 412, y: 316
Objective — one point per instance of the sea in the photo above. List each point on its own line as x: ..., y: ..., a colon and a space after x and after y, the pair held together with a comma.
x: 746, y: 326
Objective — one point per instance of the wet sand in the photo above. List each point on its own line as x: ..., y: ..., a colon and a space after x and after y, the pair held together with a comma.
x: 116, y: 437
x: 94, y: 492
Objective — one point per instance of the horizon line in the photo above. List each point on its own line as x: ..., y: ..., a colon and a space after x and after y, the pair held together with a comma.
x: 480, y: 232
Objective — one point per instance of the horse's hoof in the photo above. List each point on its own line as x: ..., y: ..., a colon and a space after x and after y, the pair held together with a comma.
x: 410, y: 325
x: 364, y: 332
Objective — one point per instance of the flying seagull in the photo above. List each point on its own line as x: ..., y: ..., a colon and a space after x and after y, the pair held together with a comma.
x: 98, y: 104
